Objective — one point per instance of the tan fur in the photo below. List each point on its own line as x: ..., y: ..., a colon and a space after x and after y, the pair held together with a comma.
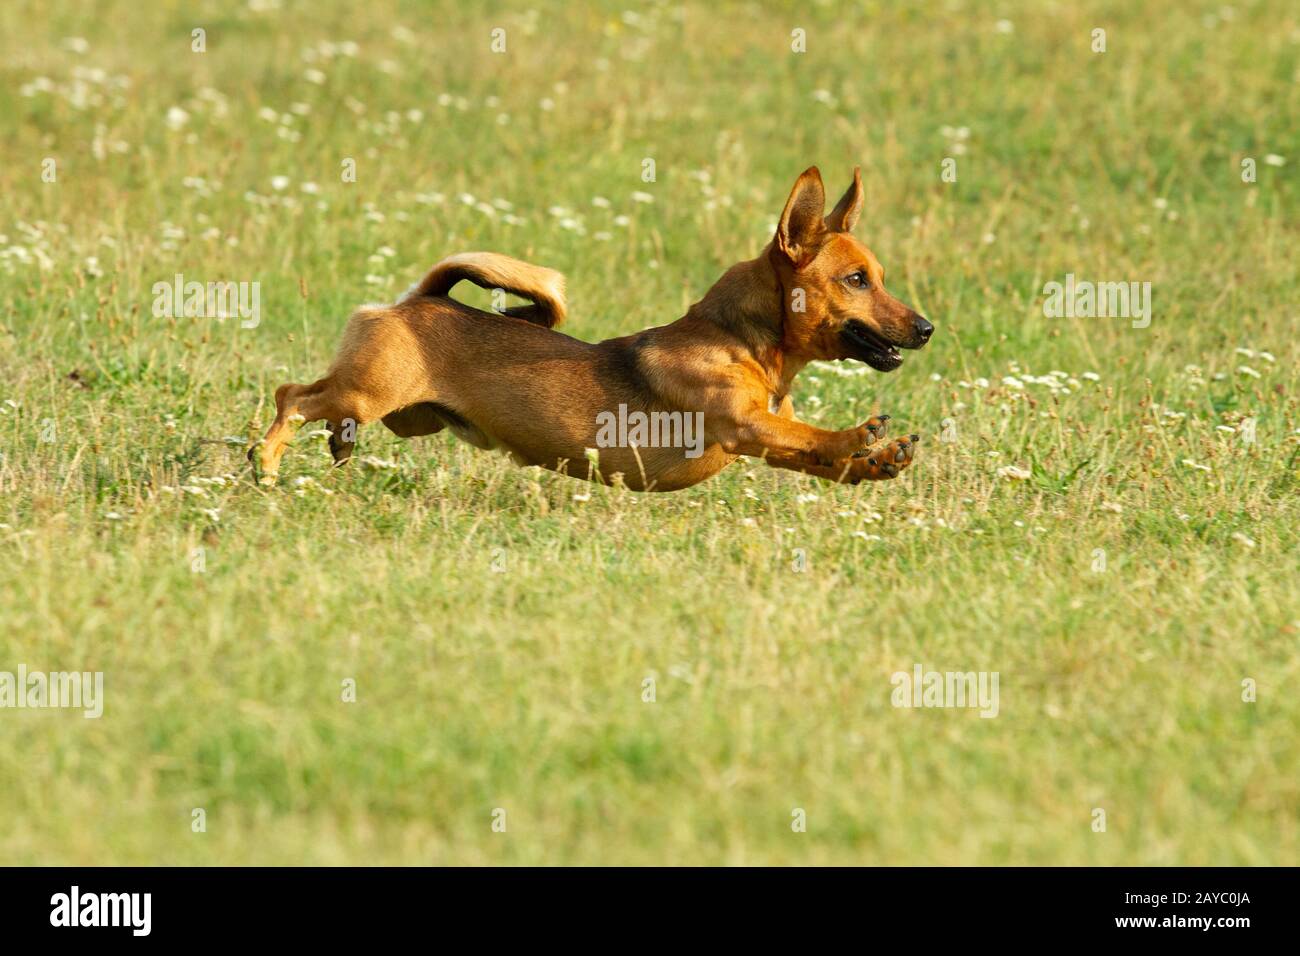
x: 492, y: 271
x: 511, y: 382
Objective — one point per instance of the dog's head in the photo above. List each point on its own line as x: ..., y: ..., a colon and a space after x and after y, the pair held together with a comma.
x: 836, y: 305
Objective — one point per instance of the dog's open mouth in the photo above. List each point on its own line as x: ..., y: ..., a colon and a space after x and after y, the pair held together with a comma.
x: 866, y: 346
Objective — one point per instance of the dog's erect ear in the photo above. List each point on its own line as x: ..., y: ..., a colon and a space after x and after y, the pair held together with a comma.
x: 845, y: 214
x: 801, y: 222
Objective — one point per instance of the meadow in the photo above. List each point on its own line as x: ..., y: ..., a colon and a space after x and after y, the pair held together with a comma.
x: 432, y: 656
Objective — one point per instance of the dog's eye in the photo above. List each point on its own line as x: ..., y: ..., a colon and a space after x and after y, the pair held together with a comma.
x: 858, y: 280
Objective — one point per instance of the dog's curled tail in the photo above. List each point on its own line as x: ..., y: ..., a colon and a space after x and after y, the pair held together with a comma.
x: 545, y: 287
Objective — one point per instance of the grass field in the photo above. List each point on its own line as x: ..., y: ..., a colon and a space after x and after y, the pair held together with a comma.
x: 1103, y: 515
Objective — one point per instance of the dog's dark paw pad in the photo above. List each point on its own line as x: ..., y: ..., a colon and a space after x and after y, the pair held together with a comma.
x: 888, y: 462
x: 877, y: 426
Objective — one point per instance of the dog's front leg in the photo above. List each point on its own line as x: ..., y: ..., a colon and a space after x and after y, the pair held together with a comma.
x: 877, y: 464
x: 764, y: 435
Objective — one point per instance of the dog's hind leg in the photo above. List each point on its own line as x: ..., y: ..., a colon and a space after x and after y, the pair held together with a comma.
x: 343, y: 438
x: 266, y: 454
x: 325, y: 399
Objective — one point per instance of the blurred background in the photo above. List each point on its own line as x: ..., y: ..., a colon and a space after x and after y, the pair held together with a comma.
x: 500, y: 626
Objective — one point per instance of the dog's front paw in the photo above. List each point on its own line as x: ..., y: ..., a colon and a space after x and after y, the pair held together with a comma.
x: 885, y: 463
x: 871, y: 431
x: 849, y: 443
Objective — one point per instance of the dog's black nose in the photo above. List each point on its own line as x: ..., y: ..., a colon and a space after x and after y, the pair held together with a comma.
x: 923, y: 329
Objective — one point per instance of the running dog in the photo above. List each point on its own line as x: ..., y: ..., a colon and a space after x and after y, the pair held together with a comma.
x: 509, y: 381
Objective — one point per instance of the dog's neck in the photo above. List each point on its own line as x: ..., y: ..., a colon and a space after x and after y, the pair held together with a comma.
x: 747, y: 304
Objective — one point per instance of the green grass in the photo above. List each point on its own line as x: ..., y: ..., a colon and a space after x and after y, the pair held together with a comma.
x: 499, y: 623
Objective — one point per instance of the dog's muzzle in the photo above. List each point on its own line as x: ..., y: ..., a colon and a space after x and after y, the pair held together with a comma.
x: 867, y: 345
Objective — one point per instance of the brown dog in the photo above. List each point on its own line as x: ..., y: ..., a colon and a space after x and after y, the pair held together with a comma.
x: 665, y: 408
